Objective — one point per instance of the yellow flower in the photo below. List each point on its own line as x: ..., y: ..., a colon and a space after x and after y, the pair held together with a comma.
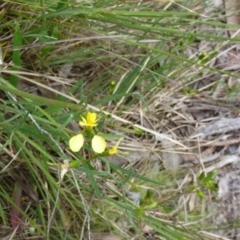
x: 76, y: 142
x: 113, y: 150
x: 90, y: 121
x: 98, y: 144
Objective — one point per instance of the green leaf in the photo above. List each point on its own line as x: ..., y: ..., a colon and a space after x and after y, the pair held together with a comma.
x: 210, y: 176
x: 139, y: 131
x: 150, y: 206
x: 16, y: 58
x: 74, y: 164
x: 200, y: 194
x: 91, y: 179
x: 201, y: 176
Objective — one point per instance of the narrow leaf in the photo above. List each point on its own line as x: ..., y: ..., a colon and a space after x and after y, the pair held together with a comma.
x: 16, y: 58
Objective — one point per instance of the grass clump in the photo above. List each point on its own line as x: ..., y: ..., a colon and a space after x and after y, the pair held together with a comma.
x: 119, y: 60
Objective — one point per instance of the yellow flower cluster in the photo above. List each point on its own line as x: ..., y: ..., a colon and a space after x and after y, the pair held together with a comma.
x: 98, y: 143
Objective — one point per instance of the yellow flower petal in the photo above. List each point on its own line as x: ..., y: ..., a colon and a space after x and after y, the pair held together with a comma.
x: 98, y: 144
x: 76, y: 142
x: 90, y: 121
x: 83, y: 122
x: 91, y: 118
x: 113, y: 150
